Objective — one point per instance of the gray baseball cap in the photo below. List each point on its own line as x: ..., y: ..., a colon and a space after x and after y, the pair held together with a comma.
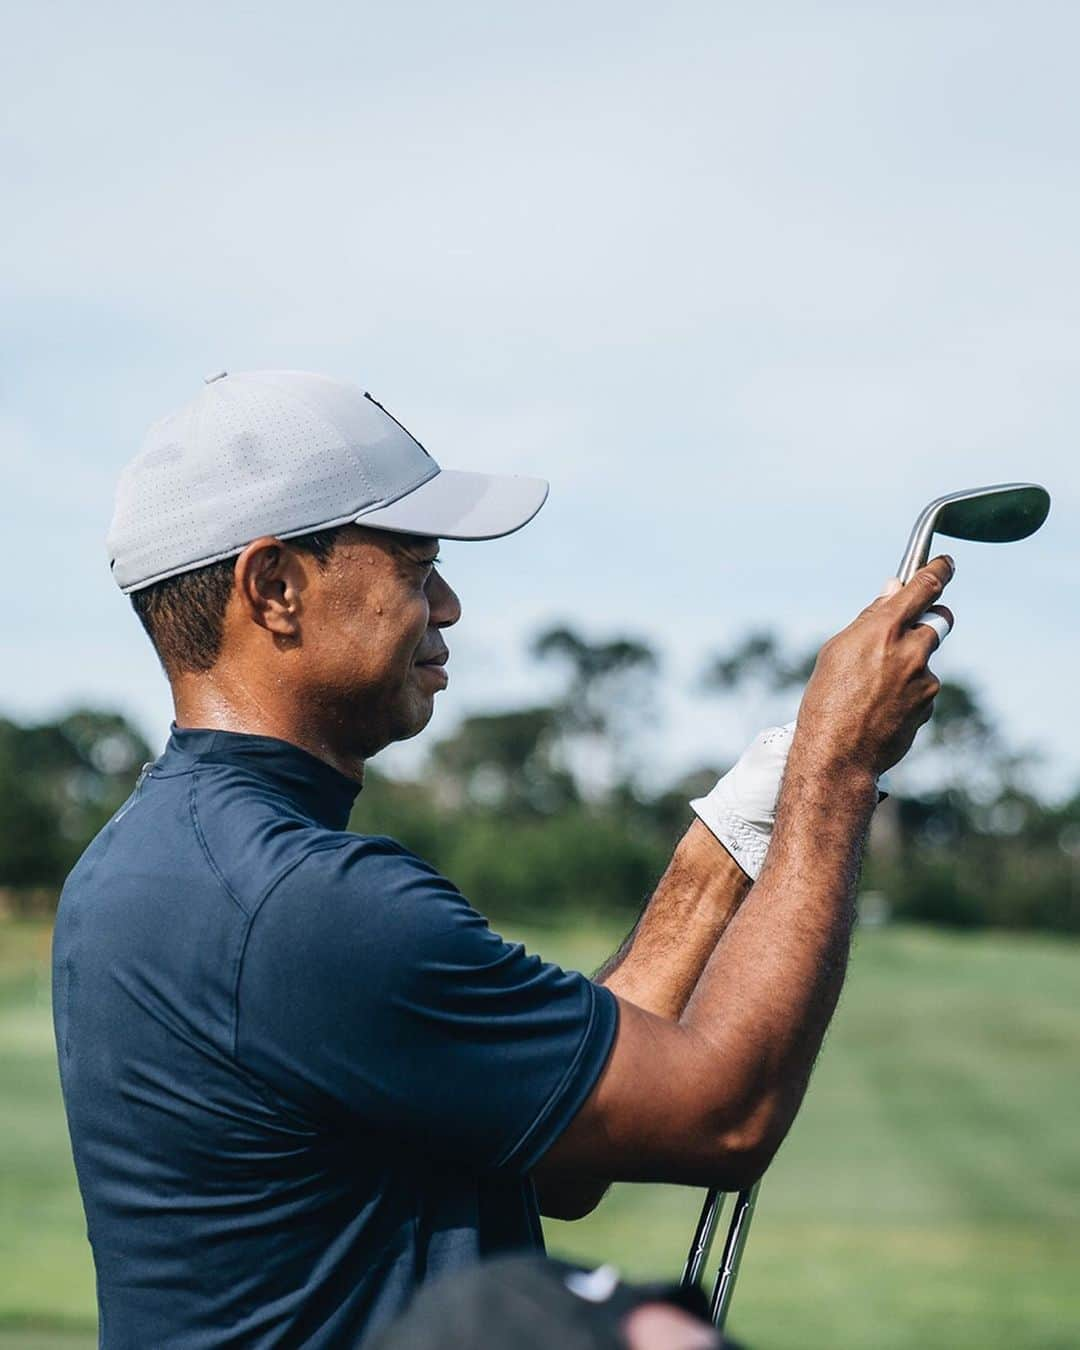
x: 284, y: 452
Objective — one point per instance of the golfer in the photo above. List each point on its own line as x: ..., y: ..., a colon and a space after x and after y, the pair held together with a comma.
x: 302, y: 1075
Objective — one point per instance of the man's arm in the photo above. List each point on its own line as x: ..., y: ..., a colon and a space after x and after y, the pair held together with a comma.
x: 707, y: 1098
x: 657, y: 968
x: 660, y: 963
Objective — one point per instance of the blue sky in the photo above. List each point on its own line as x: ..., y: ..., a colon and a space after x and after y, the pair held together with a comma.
x: 748, y: 284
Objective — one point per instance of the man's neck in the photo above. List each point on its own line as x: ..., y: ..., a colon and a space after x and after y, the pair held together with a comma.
x: 210, y: 702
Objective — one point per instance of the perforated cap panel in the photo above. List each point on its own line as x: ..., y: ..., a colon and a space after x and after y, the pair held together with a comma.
x: 264, y: 452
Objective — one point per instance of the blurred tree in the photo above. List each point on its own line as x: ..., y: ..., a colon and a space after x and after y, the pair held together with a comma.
x: 607, y: 703
x: 960, y: 751
x: 758, y: 672
x: 670, y: 809
x: 758, y: 659
x: 500, y: 814
x: 959, y: 722
x: 506, y: 761
x: 59, y: 783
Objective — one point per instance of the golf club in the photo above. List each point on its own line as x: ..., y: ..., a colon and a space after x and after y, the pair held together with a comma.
x: 992, y: 515
x: 734, y: 1243
x: 999, y: 514
x: 701, y: 1243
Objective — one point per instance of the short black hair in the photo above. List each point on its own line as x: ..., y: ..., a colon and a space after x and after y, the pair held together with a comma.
x: 184, y: 616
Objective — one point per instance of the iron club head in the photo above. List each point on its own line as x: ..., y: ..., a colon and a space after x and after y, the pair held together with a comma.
x: 994, y: 515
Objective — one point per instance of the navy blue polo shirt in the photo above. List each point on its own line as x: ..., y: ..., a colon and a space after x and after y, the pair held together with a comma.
x: 301, y: 1073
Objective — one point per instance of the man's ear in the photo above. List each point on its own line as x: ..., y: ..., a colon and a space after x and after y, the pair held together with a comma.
x: 268, y: 581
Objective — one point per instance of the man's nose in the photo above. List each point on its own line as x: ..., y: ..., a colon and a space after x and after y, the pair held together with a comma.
x: 443, y: 604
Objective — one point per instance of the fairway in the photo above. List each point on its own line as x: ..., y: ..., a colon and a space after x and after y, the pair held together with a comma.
x: 929, y: 1195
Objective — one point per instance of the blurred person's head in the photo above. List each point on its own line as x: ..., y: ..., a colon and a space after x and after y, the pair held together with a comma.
x: 532, y: 1303
x: 278, y: 540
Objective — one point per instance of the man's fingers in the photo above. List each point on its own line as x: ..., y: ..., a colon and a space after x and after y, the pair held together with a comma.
x: 938, y: 629
x: 893, y: 586
x: 923, y: 589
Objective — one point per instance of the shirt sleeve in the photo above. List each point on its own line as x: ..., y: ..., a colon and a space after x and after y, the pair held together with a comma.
x: 371, y: 991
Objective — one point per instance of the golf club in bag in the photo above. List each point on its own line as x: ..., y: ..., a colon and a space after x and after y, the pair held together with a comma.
x: 992, y: 515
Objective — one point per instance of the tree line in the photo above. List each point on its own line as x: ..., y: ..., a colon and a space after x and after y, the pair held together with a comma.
x: 545, y: 811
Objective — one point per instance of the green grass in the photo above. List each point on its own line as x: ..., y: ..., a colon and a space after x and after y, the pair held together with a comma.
x: 929, y: 1194
x: 46, y: 1278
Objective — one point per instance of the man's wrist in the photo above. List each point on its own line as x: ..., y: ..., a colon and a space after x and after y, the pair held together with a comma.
x: 744, y: 843
x: 837, y: 780
x: 702, y: 852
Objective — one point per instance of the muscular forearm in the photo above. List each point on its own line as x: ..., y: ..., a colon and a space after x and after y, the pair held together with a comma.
x: 756, y: 1018
x: 658, y: 966
x: 662, y: 960
x: 769, y: 990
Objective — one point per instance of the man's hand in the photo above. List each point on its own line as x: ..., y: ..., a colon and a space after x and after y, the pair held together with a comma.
x: 871, y: 690
x: 741, y: 809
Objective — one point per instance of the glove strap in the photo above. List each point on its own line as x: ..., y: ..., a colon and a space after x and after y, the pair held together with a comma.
x: 746, y: 844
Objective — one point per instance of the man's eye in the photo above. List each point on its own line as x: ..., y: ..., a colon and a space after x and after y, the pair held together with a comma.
x: 424, y: 563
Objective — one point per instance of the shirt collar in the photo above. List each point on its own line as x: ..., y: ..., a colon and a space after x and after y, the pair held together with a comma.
x: 307, y: 781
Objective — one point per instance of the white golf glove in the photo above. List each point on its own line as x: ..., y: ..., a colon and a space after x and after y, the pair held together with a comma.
x: 741, y: 808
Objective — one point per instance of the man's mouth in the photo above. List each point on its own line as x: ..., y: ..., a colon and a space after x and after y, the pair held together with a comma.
x: 438, y: 658
x: 435, y: 666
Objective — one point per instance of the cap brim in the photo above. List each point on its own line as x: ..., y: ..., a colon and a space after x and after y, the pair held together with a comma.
x: 459, y: 505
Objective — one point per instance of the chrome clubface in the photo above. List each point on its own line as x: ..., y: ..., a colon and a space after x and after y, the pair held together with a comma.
x: 992, y: 515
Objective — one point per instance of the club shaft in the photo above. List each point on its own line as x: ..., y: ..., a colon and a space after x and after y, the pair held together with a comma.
x: 917, y: 553
x: 734, y: 1245
x: 702, y: 1241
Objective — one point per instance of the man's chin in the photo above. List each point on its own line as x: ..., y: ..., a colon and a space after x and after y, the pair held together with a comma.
x: 402, y: 723
x: 417, y: 718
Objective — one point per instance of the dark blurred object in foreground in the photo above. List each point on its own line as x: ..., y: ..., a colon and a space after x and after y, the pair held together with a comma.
x: 530, y: 1303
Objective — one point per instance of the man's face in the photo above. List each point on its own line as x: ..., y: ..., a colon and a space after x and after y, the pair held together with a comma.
x: 372, y: 655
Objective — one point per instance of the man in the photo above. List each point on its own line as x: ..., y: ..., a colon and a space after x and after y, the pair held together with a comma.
x: 302, y: 1075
